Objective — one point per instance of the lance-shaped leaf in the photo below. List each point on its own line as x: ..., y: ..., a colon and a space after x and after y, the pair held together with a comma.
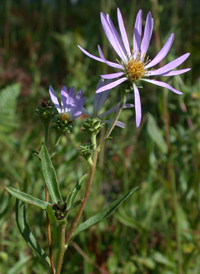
x: 27, y: 198
x: 28, y: 236
x: 51, y: 214
x: 155, y: 133
x: 100, y: 216
x: 74, y: 192
x: 50, y: 175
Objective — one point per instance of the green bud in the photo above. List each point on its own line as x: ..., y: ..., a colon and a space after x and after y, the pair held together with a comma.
x: 92, y: 126
x: 86, y: 151
x: 60, y: 210
x: 45, y: 111
x: 61, y: 123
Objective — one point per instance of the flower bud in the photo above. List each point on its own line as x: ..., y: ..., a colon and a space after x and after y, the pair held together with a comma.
x: 45, y: 111
x: 92, y: 126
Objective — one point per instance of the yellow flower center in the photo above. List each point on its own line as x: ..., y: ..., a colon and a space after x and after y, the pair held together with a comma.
x: 65, y: 117
x: 135, y: 69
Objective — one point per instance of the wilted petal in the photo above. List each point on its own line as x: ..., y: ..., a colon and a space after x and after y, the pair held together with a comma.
x: 54, y: 98
x: 138, y: 110
x: 162, y: 84
x: 162, y: 53
x: 147, y: 35
x: 123, y: 32
x: 111, y: 85
x: 137, y: 33
x: 175, y: 63
x: 112, y: 75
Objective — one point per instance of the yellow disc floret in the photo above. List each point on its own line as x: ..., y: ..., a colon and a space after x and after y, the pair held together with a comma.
x: 135, y: 69
x: 65, y: 117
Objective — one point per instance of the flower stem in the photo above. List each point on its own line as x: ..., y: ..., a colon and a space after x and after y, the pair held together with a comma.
x: 92, y: 167
x: 46, y: 139
x: 124, y: 96
x: 61, y: 248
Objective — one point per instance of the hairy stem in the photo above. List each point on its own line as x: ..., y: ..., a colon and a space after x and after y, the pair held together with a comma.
x: 61, y: 248
x: 46, y: 140
x: 92, y: 167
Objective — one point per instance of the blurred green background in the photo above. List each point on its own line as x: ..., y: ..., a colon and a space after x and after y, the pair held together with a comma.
x: 157, y: 229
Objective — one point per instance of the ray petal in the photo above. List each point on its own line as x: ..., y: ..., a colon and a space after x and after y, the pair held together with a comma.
x: 137, y: 33
x: 123, y: 32
x: 138, y: 110
x: 111, y: 85
x: 162, y: 84
x: 162, y: 53
x: 54, y: 98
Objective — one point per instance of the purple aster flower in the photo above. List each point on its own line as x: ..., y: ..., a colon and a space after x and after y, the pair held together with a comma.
x: 71, y: 107
x: 99, y: 100
x: 133, y: 65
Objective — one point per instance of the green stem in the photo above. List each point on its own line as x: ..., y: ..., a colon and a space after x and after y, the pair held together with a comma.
x: 124, y: 96
x: 46, y: 134
x: 61, y: 248
x: 46, y: 140
x: 94, y: 141
x: 57, y: 140
x: 92, y: 167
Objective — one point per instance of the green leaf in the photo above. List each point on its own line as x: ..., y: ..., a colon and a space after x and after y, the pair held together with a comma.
x: 50, y: 175
x: 27, y: 198
x: 77, y: 203
x: 160, y: 258
x: 101, y: 216
x: 51, y: 214
x: 155, y: 133
x: 27, y: 234
x: 18, y: 266
x: 74, y: 192
x: 8, y: 102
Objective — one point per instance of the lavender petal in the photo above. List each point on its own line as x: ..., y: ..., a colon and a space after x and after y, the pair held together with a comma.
x: 137, y: 33
x: 176, y: 72
x: 162, y: 84
x: 111, y: 64
x: 100, y: 98
x: 123, y: 32
x: 90, y: 55
x: 138, y: 110
x: 54, y: 99
x: 162, y: 53
x: 147, y: 35
x: 112, y: 39
x: 112, y: 75
x: 64, y: 95
x: 111, y: 85
x: 116, y: 36
x: 114, y: 109
x: 86, y: 112
x: 175, y: 63
x: 118, y: 123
